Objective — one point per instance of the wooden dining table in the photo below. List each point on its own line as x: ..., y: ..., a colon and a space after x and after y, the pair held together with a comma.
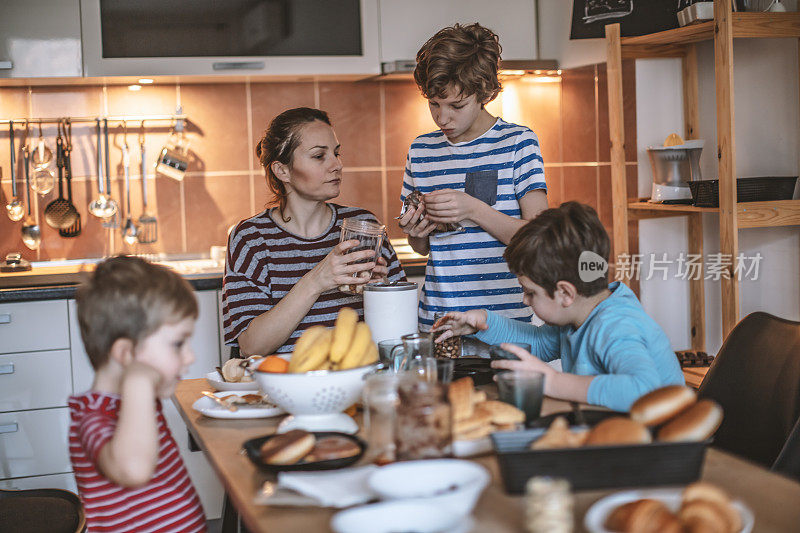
x: 774, y: 499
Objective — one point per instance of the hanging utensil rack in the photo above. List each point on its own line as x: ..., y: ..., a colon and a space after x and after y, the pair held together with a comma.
x: 177, y: 117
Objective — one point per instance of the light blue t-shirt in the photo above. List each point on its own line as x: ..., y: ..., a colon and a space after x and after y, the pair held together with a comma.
x: 618, y: 343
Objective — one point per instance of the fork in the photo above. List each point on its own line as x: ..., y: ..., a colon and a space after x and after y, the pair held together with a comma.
x: 230, y: 407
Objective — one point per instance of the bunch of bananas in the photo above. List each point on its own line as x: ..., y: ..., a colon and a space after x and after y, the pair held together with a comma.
x: 348, y: 345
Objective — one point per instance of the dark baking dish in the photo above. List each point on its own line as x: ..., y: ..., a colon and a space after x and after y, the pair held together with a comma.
x: 253, y: 449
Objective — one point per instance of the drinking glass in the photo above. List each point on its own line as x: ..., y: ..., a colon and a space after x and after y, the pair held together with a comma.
x: 386, y: 350
x: 380, y: 411
x: 523, y: 389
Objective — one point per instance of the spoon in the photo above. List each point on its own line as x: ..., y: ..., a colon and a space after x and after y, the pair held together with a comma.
x: 129, y: 230
x: 14, y: 206
x: 103, y: 206
x: 31, y: 233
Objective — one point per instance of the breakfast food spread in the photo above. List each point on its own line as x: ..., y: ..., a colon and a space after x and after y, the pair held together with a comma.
x: 335, y: 447
x: 474, y: 416
x: 347, y: 345
x: 704, y: 508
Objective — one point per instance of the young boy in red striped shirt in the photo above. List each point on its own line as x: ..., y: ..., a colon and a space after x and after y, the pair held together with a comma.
x: 135, y: 319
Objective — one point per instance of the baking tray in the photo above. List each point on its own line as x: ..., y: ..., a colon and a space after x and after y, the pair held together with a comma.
x: 597, y: 467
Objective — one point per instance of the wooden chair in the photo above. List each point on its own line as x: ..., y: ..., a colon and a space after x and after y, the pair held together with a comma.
x: 756, y: 379
x: 41, y: 511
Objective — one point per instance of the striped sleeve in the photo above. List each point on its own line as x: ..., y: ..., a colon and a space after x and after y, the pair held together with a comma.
x: 528, y: 164
x: 246, y: 290
x: 95, y: 431
x: 408, y: 180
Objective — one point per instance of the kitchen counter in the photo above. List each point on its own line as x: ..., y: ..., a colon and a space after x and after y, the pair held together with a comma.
x: 52, y: 280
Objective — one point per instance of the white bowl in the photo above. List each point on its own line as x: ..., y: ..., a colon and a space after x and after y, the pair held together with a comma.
x: 315, y: 399
x: 216, y: 381
x: 390, y: 517
x: 454, y: 484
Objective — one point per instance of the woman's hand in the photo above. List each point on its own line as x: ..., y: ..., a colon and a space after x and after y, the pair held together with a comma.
x: 338, y: 267
x: 414, y: 223
x: 457, y: 323
x: 380, y: 271
x: 449, y: 206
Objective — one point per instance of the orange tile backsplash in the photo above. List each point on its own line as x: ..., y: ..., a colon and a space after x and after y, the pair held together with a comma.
x: 375, y: 122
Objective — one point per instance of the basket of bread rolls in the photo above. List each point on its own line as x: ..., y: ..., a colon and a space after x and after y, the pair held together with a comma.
x: 662, y: 441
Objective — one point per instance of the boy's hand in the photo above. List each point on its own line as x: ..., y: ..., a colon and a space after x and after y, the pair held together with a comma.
x: 448, y: 205
x: 460, y: 323
x: 414, y: 223
x: 527, y: 362
x: 137, y: 370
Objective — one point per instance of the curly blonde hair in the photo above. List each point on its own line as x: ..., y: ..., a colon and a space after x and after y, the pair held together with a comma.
x: 465, y: 58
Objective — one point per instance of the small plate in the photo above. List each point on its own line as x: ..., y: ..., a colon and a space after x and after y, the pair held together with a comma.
x: 253, y: 449
x: 598, y: 513
x: 393, y: 516
x: 216, y: 381
x: 210, y: 408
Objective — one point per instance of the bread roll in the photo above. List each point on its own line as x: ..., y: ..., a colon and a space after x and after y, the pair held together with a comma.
x: 662, y: 404
x: 643, y: 516
x: 618, y: 430
x: 334, y: 447
x: 701, y: 491
x: 700, y: 516
x: 287, y: 448
x: 696, y: 423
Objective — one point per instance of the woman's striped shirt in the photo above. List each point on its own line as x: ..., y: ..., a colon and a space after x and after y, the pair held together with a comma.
x: 265, y: 261
x: 168, y: 502
x: 467, y: 270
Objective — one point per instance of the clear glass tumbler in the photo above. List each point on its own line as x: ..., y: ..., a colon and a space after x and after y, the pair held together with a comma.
x: 370, y: 237
x: 380, y: 410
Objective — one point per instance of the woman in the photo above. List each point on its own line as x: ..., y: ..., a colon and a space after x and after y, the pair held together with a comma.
x: 285, y: 265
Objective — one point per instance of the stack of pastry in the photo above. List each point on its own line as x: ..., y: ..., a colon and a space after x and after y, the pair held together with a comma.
x: 474, y: 416
x: 704, y: 508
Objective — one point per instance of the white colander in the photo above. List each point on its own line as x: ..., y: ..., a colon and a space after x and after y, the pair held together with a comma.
x: 315, y: 400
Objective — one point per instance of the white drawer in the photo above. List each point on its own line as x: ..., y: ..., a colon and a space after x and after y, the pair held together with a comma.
x: 34, y: 443
x: 32, y: 326
x: 55, y: 481
x: 34, y: 380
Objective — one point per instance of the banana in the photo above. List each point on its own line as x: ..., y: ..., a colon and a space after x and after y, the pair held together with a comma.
x: 370, y: 354
x: 361, y: 339
x: 343, y: 333
x: 316, y: 355
x: 305, y: 341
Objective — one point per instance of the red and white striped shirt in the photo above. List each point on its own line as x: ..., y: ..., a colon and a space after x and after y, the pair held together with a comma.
x: 265, y: 261
x: 168, y: 502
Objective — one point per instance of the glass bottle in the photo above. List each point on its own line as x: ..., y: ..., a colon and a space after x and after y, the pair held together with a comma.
x: 423, y: 428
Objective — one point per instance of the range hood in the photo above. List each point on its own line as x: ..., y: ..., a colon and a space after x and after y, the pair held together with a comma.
x: 403, y: 68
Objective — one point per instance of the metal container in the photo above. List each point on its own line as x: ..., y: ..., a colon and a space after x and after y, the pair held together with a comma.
x: 673, y: 168
x: 390, y: 309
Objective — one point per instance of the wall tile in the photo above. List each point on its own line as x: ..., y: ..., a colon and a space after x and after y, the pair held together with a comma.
x: 213, y: 204
x: 354, y: 109
x: 11, y: 240
x: 362, y: 189
x: 554, y: 179
x: 218, y: 126
x: 14, y: 104
x: 579, y: 131
x: 268, y: 100
x: 407, y: 116
x: 580, y: 185
x: 628, y: 109
x: 394, y: 184
x: 538, y: 106
x: 263, y: 196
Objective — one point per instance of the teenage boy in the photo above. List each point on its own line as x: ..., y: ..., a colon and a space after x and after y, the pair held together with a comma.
x: 135, y: 319
x: 611, y: 351
x: 477, y: 170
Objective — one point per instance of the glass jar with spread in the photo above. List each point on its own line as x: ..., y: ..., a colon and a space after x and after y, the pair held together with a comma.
x: 450, y: 347
x: 370, y: 237
x: 423, y: 425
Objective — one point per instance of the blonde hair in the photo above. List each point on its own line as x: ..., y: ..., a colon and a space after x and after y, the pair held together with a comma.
x: 466, y: 58
x: 279, y: 143
x: 129, y: 298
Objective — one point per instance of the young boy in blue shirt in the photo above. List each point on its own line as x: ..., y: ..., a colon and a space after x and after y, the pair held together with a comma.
x: 477, y: 170
x: 611, y: 351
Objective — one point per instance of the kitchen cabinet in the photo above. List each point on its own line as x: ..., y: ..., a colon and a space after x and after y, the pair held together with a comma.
x: 43, y: 361
x: 733, y: 216
x: 242, y: 37
x: 40, y: 39
x: 407, y: 24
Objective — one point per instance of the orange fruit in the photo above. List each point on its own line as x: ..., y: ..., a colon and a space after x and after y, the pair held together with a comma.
x: 273, y: 363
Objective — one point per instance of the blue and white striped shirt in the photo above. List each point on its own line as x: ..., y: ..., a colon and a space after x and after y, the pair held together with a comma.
x: 467, y: 270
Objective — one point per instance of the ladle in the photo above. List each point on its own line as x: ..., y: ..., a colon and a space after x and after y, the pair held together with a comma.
x: 103, y: 206
x: 14, y: 207
x: 31, y: 233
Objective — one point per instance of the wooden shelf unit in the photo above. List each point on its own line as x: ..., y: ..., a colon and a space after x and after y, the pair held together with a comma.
x: 680, y: 42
